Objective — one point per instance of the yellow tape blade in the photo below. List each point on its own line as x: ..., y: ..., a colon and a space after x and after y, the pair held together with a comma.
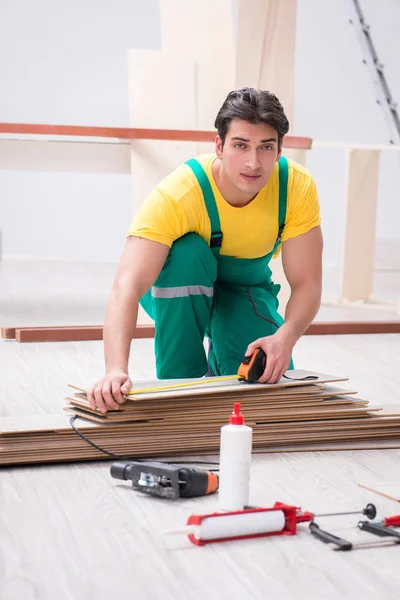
x: 163, y: 388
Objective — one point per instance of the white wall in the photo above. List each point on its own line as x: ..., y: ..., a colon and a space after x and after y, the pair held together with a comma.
x: 335, y: 101
x: 66, y: 63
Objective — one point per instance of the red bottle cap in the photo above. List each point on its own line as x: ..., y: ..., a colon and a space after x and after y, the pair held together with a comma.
x: 236, y: 418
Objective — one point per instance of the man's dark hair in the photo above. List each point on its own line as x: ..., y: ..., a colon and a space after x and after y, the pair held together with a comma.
x: 253, y: 106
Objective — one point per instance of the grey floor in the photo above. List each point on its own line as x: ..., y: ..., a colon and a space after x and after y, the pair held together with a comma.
x: 72, y: 532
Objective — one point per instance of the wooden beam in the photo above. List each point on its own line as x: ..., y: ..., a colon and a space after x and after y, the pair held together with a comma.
x: 266, y: 32
x: 353, y: 327
x: 152, y: 160
x: 359, y: 242
x: 299, y: 143
x: 66, y: 333
x: 58, y: 334
x: 127, y: 133
x: 213, y: 80
x: 8, y: 333
x: 94, y: 332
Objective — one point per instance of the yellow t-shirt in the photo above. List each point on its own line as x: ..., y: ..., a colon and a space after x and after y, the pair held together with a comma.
x: 176, y: 207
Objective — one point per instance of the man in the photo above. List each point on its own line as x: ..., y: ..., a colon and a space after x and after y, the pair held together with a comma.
x: 197, y: 256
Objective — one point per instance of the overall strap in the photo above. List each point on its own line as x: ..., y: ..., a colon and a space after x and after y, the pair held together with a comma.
x: 283, y: 189
x: 211, y: 206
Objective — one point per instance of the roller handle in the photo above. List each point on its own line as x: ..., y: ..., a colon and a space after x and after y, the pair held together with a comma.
x: 328, y: 538
x: 378, y: 529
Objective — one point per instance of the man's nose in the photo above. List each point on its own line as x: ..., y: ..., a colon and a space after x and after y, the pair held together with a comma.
x: 253, y: 161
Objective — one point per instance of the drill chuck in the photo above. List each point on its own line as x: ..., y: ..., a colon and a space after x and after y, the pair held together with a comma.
x: 121, y: 470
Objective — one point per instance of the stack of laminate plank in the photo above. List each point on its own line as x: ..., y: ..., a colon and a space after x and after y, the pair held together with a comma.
x: 293, y: 414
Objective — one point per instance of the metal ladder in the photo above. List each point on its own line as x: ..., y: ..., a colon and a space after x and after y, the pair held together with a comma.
x: 370, y: 58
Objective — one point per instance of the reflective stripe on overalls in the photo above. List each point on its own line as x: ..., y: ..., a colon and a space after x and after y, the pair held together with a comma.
x: 201, y: 292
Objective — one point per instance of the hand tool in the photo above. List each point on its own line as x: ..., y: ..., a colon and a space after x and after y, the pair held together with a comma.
x: 302, y: 516
x: 338, y: 543
x: 250, y: 370
x: 239, y: 525
x: 252, y: 367
x: 173, y: 386
x: 241, y: 376
x: 377, y: 529
x: 393, y: 521
x: 253, y: 521
x: 166, y: 480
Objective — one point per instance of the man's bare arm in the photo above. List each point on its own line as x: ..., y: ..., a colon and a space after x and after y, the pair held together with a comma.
x: 139, y: 267
x: 302, y: 263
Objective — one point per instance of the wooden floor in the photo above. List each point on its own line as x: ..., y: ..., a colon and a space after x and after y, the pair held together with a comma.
x: 72, y: 532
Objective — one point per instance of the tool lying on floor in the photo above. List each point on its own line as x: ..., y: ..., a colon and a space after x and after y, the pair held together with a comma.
x: 239, y: 525
x: 382, y: 528
x: 166, y: 480
x: 393, y: 521
x: 369, y: 511
x: 281, y: 519
x: 337, y: 543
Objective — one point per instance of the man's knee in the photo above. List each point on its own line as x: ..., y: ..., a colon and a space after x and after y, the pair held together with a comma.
x: 190, y: 262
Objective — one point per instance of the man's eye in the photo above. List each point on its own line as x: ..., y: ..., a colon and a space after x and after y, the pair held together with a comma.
x: 267, y: 147
x: 239, y: 146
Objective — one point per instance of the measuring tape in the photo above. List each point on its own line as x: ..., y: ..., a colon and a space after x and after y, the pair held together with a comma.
x: 161, y: 388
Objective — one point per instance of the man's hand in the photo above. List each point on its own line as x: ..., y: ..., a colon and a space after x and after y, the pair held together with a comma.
x: 109, y: 391
x: 278, y: 349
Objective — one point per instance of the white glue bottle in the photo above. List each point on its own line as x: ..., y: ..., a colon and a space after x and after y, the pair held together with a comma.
x: 234, y: 462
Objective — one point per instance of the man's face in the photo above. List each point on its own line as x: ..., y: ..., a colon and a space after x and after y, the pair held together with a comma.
x: 248, y: 156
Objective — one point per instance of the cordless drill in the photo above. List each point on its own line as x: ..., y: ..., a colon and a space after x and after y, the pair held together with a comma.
x: 166, y: 480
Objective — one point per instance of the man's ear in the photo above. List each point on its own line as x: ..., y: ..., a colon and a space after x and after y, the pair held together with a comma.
x: 218, y: 147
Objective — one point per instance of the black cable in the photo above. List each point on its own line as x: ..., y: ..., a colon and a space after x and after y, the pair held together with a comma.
x: 306, y: 378
x: 86, y: 439
x: 117, y: 457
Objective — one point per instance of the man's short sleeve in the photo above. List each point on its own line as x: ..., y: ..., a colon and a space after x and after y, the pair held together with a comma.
x: 303, y: 210
x: 160, y: 219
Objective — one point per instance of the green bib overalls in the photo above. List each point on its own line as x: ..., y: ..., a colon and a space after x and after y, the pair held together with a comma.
x: 201, y: 293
